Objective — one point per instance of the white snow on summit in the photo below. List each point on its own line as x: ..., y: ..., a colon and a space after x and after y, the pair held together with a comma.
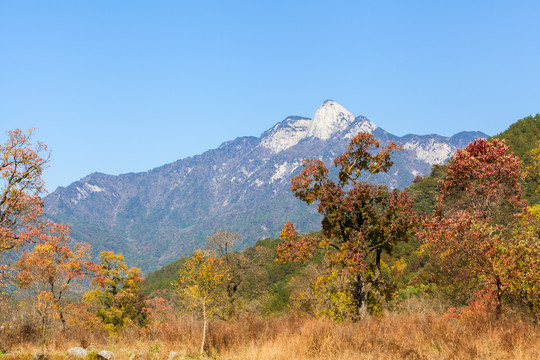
x: 286, y: 134
x: 329, y: 118
x: 433, y: 152
x: 366, y: 126
x: 332, y: 119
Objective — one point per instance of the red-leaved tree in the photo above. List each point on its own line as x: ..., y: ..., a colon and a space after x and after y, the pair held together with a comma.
x: 360, y: 220
x: 476, y: 208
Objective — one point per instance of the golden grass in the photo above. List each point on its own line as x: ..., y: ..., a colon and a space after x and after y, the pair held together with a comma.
x: 395, y: 336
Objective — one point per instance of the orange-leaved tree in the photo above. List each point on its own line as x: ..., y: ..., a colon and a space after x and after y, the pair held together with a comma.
x: 52, y: 269
x: 476, y: 209
x: 201, y: 284
x: 360, y: 220
x: 21, y: 166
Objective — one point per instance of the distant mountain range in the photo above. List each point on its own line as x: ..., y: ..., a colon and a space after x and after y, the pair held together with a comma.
x: 157, y: 216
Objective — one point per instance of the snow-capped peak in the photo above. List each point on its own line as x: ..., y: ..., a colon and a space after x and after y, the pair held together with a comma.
x: 329, y: 118
x: 361, y: 124
x: 285, y: 134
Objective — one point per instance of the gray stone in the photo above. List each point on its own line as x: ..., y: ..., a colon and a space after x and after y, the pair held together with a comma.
x: 41, y: 356
x: 106, y: 355
x: 77, y: 353
x: 175, y: 355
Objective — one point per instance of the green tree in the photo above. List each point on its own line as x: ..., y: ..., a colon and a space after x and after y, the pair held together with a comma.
x: 522, y: 136
x: 117, y: 297
x: 424, y: 189
x: 200, y: 285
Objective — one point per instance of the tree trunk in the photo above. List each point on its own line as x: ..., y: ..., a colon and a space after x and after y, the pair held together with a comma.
x: 204, y: 328
x: 363, y: 305
x: 377, y: 270
x: 63, y: 320
x: 535, y: 311
x: 361, y: 296
x: 498, y: 309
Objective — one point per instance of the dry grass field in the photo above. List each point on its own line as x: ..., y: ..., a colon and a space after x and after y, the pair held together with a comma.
x: 395, y: 336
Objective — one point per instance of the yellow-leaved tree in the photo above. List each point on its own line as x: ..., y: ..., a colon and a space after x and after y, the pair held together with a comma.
x: 201, y: 285
x: 521, y: 267
x: 117, y: 297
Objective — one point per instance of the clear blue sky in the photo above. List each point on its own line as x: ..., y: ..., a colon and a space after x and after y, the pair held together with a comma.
x: 125, y: 86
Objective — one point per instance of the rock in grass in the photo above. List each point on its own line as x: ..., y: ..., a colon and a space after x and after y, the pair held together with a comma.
x: 77, y: 353
x: 41, y: 356
x: 105, y: 355
x: 174, y: 355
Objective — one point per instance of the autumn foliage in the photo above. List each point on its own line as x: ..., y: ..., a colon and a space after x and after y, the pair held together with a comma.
x: 484, y: 180
x: 117, y: 299
x: 476, y: 225
x: 360, y: 220
x: 201, y: 285
x: 53, y: 269
x: 49, y: 270
x: 477, y: 254
x: 21, y: 166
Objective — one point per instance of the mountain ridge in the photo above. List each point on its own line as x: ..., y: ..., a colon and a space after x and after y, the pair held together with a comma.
x: 157, y: 216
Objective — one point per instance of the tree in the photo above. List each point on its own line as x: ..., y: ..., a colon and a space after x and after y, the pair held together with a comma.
x: 479, y: 198
x: 52, y: 269
x: 520, y: 267
x: 484, y: 180
x: 424, y: 189
x: 201, y: 283
x: 117, y: 297
x: 21, y: 166
x: 532, y: 170
x: 360, y: 220
x: 223, y: 242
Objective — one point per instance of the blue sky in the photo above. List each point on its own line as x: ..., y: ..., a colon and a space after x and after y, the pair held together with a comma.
x: 125, y: 86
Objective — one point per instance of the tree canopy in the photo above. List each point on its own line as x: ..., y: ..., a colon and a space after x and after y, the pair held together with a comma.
x: 360, y: 220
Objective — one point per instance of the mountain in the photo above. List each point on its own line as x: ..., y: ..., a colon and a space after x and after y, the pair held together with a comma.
x: 157, y: 216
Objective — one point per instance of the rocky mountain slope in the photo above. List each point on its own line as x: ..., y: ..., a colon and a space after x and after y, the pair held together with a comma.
x: 157, y: 216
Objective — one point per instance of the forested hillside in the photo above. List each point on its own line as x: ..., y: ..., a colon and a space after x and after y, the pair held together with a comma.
x: 523, y: 136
